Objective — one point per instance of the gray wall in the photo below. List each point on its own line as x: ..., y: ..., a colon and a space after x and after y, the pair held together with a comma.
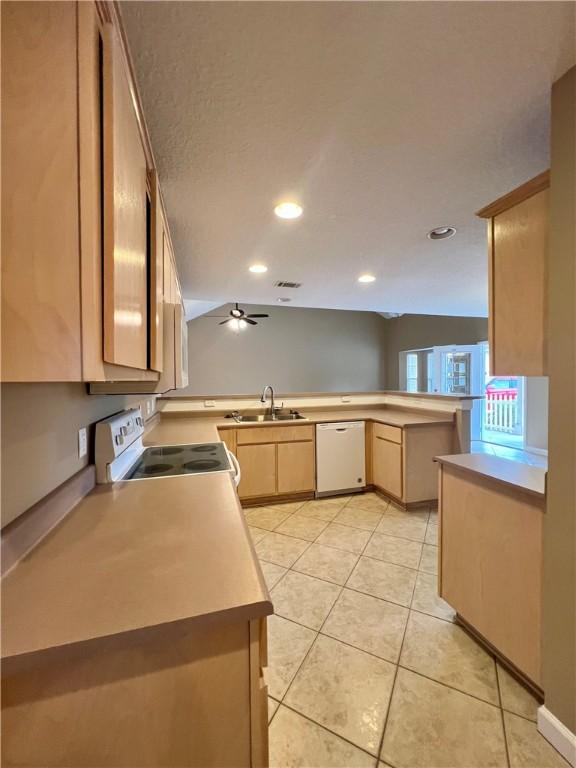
x: 416, y: 331
x: 39, y: 435
x: 295, y: 350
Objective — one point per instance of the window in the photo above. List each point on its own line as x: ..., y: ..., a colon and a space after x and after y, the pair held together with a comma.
x: 430, y: 371
x: 412, y: 372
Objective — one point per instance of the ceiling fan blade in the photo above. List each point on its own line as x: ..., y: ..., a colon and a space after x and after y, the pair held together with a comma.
x: 202, y: 317
x: 247, y: 320
x: 225, y: 321
x: 257, y: 315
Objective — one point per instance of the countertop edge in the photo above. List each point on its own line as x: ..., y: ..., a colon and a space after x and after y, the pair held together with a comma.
x: 231, y: 615
x: 455, y: 462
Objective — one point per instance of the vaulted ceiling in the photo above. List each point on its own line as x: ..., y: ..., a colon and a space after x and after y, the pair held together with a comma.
x: 383, y: 119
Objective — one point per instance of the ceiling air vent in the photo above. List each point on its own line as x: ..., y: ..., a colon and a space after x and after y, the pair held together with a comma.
x: 286, y: 284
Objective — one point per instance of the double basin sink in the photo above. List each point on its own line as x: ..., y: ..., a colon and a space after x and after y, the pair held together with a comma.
x: 266, y: 417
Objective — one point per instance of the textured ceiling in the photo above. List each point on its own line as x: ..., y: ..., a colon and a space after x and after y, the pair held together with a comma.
x: 383, y: 119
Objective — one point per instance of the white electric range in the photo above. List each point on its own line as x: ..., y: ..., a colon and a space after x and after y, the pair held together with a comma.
x: 121, y: 455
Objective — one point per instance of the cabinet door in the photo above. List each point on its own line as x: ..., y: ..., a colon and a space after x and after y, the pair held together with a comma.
x: 125, y: 216
x: 387, y: 466
x: 296, y: 467
x: 41, y: 329
x: 518, y: 288
x: 258, y: 467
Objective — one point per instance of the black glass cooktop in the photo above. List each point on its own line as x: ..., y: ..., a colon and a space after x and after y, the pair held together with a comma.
x: 170, y: 460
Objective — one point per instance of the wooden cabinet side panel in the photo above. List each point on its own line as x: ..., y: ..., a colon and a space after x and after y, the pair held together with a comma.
x: 491, y: 564
x: 421, y: 446
x: 180, y: 698
x: 125, y: 235
x: 387, y: 466
x: 296, y: 467
x: 258, y: 467
x: 228, y: 437
x: 518, y: 288
x: 41, y: 332
x: 156, y: 286
x: 258, y: 693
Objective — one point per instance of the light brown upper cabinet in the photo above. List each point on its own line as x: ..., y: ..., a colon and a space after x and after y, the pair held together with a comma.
x: 517, y: 252
x: 126, y: 247
x: 82, y: 257
x: 41, y: 312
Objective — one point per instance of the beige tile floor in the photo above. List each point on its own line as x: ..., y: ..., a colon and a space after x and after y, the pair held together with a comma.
x: 366, y: 666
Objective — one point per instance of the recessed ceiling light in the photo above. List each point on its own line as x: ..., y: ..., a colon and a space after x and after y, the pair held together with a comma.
x: 366, y: 278
x: 283, y: 299
x: 441, y: 233
x: 288, y: 210
x: 258, y: 268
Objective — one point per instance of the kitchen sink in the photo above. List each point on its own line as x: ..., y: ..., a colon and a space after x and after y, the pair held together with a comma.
x: 262, y: 417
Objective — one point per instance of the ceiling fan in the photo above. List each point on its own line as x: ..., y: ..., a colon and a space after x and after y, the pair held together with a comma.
x: 238, y: 317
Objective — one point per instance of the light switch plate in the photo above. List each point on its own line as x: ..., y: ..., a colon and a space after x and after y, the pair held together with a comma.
x: 82, y: 442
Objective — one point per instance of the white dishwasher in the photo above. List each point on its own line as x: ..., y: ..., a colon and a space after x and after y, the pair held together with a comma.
x: 340, y: 457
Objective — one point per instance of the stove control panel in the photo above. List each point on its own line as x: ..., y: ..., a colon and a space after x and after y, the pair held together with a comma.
x: 117, y: 433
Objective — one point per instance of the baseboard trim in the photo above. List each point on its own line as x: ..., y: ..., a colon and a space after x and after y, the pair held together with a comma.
x: 554, y: 731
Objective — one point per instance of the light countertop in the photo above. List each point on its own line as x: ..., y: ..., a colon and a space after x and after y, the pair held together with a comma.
x: 507, y: 471
x: 394, y: 416
x: 135, y: 555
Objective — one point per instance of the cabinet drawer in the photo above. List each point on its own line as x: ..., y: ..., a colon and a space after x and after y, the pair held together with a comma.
x: 386, y: 432
x: 286, y: 434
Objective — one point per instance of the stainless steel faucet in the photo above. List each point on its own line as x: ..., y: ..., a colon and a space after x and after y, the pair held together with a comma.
x: 263, y: 398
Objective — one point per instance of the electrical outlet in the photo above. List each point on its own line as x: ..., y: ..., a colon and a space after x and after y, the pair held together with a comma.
x: 209, y: 403
x: 346, y: 399
x: 82, y: 442
x: 149, y: 408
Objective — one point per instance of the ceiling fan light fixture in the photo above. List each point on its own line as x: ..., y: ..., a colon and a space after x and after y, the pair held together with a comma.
x: 441, y: 233
x: 288, y: 210
x: 237, y: 324
x: 258, y: 269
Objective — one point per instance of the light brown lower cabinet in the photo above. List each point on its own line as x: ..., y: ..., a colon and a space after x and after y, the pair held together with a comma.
x: 274, y: 460
x: 491, y: 563
x: 387, y: 466
x: 174, y: 695
x: 258, y: 468
x: 295, y: 467
x: 403, y: 460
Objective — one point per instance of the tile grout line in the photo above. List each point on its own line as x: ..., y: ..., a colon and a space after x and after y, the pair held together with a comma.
x: 402, y: 666
x: 504, y: 734
x: 328, y: 730
x: 397, y: 663
x: 316, y: 639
